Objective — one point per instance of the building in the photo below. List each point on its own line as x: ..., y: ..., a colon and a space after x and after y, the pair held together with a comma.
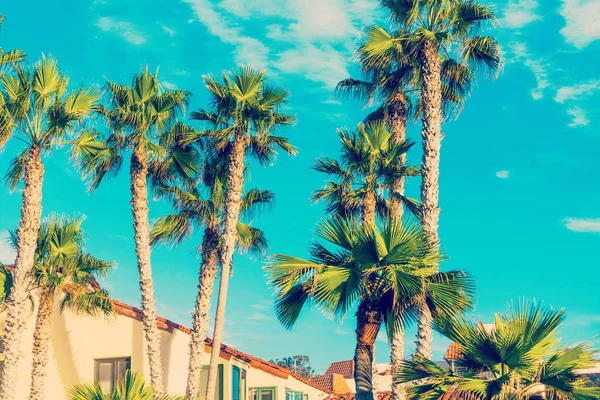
x: 86, y: 349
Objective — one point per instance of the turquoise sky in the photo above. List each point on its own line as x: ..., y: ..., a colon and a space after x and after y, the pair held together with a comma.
x: 519, y: 177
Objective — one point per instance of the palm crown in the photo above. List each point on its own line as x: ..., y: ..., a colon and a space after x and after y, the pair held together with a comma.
x: 387, y: 267
x: 367, y: 166
x: 37, y: 108
x: 204, y: 205
x: 246, y: 105
x: 518, y: 357
x: 61, y: 262
x: 144, y: 118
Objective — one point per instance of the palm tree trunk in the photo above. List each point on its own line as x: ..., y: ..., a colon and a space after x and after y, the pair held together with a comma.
x: 369, y: 205
x: 16, y: 309
x: 396, y: 358
x: 397, y: 120
x: 41, y: 340
x: 208, y: 273
x: 368, y: 322
x: 139, y: 208
x: 235, y: 183
x: 430, y: 170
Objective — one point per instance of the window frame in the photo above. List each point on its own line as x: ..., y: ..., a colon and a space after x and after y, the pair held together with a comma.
x: 259, y: 389
x: 244, y: 390
x: 302, y: 394
x: 113, y: 361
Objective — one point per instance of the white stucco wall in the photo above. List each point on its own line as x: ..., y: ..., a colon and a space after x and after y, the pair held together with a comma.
x: 76, y: 341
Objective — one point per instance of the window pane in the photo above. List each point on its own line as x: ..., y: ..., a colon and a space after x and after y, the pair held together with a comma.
x: 235, y: 384
x: 105, y: 376
x: 121, y: 366
x: 267, y: 394
x: 297, y: 396
x: 289, y: 395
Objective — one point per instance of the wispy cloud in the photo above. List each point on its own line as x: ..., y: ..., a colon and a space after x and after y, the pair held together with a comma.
x: 579, y: 117
x: 504, y: 174
x: 577, y: 92
x: 7, y: 253
x: 317, y: 63
x: 257, y: 316
x: 122, y: 28
x: 519, y: 13
x: 588, y: 225
x: 168, y: 30
x: 538, y: 66
x: 581, y: 21
x: 582, y: 320
x: 169, y: 85
x: 248, y: 50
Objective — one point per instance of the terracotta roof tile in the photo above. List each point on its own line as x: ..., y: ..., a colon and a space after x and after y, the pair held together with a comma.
x: 454, y: 352
x: 334, y: 382
x: 344, y: 368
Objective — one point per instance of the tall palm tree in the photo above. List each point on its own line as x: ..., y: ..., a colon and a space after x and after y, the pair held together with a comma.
x: 143, y: 123
x: 380, y: 270
x: 61, y: 265
x: 518, y: 357
x: 11, y: 56
x: 192, y: 211
x: 132, y: 387
x: 244, y: 113
x: 37, y: 109
x: 436, y: 33
x: 367, y: 165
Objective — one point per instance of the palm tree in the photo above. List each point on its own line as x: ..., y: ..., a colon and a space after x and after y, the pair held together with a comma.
x: 132, y: 387
x: 518, y: 357
x: 367, y: 165
x: 142, y: 119
x: 435, y: 33
x: 60, y: 266
x: 382, y: 270
x: 12, y: 56
x: 37, y: 109
x: 244, y: 113
x: 192, y: 211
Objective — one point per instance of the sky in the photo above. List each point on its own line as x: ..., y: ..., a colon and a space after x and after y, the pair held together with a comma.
x: 518, y: 186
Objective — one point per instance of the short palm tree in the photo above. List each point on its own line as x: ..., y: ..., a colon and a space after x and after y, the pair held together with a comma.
x: 132, y: 387
x: 143, y: 123
x: 193, y: 211
x: 380, y: 270
x: 434, y: 33
x: 37, y: 109
x: 244, y: 113
x: 518, y: 357
x: 12, y: 56
x: 61, y: 267
x: 367, y: 165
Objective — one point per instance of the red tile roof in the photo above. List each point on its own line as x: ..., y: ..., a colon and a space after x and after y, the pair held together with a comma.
x: 334, y: 382
x: 226, y: 351
x: 344, y: 368
x: 454, y: 352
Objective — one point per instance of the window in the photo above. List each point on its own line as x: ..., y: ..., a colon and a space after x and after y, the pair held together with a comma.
x: 263, y: 393
x: 238, y: 383
x: 204, y: 383
x: 293, y: 395
x: 109, y: 372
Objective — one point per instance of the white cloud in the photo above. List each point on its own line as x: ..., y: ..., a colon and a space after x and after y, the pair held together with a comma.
x: 539, y: 67
x: 581, y: 21
x: 519, y: 13
x: 168, y: 30
x: 576, y: 92
x: 257, y: 316
x: 248, y: 50
x: 7, y: 253
x: 169, y: 85
x: 504, y: 174
x: 122, y: 28
x: 579, y: 117
x: 583, y: 224
x: 319, y: 63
